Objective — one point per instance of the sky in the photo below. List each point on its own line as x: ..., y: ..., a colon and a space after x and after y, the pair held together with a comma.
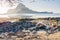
x: 43, y: 5
x: 38, y: 5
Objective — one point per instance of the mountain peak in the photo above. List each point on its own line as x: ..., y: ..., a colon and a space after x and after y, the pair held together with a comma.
x: 21, y: 8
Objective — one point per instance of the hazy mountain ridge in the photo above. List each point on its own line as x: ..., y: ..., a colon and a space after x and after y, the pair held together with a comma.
x: 21, y: 8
